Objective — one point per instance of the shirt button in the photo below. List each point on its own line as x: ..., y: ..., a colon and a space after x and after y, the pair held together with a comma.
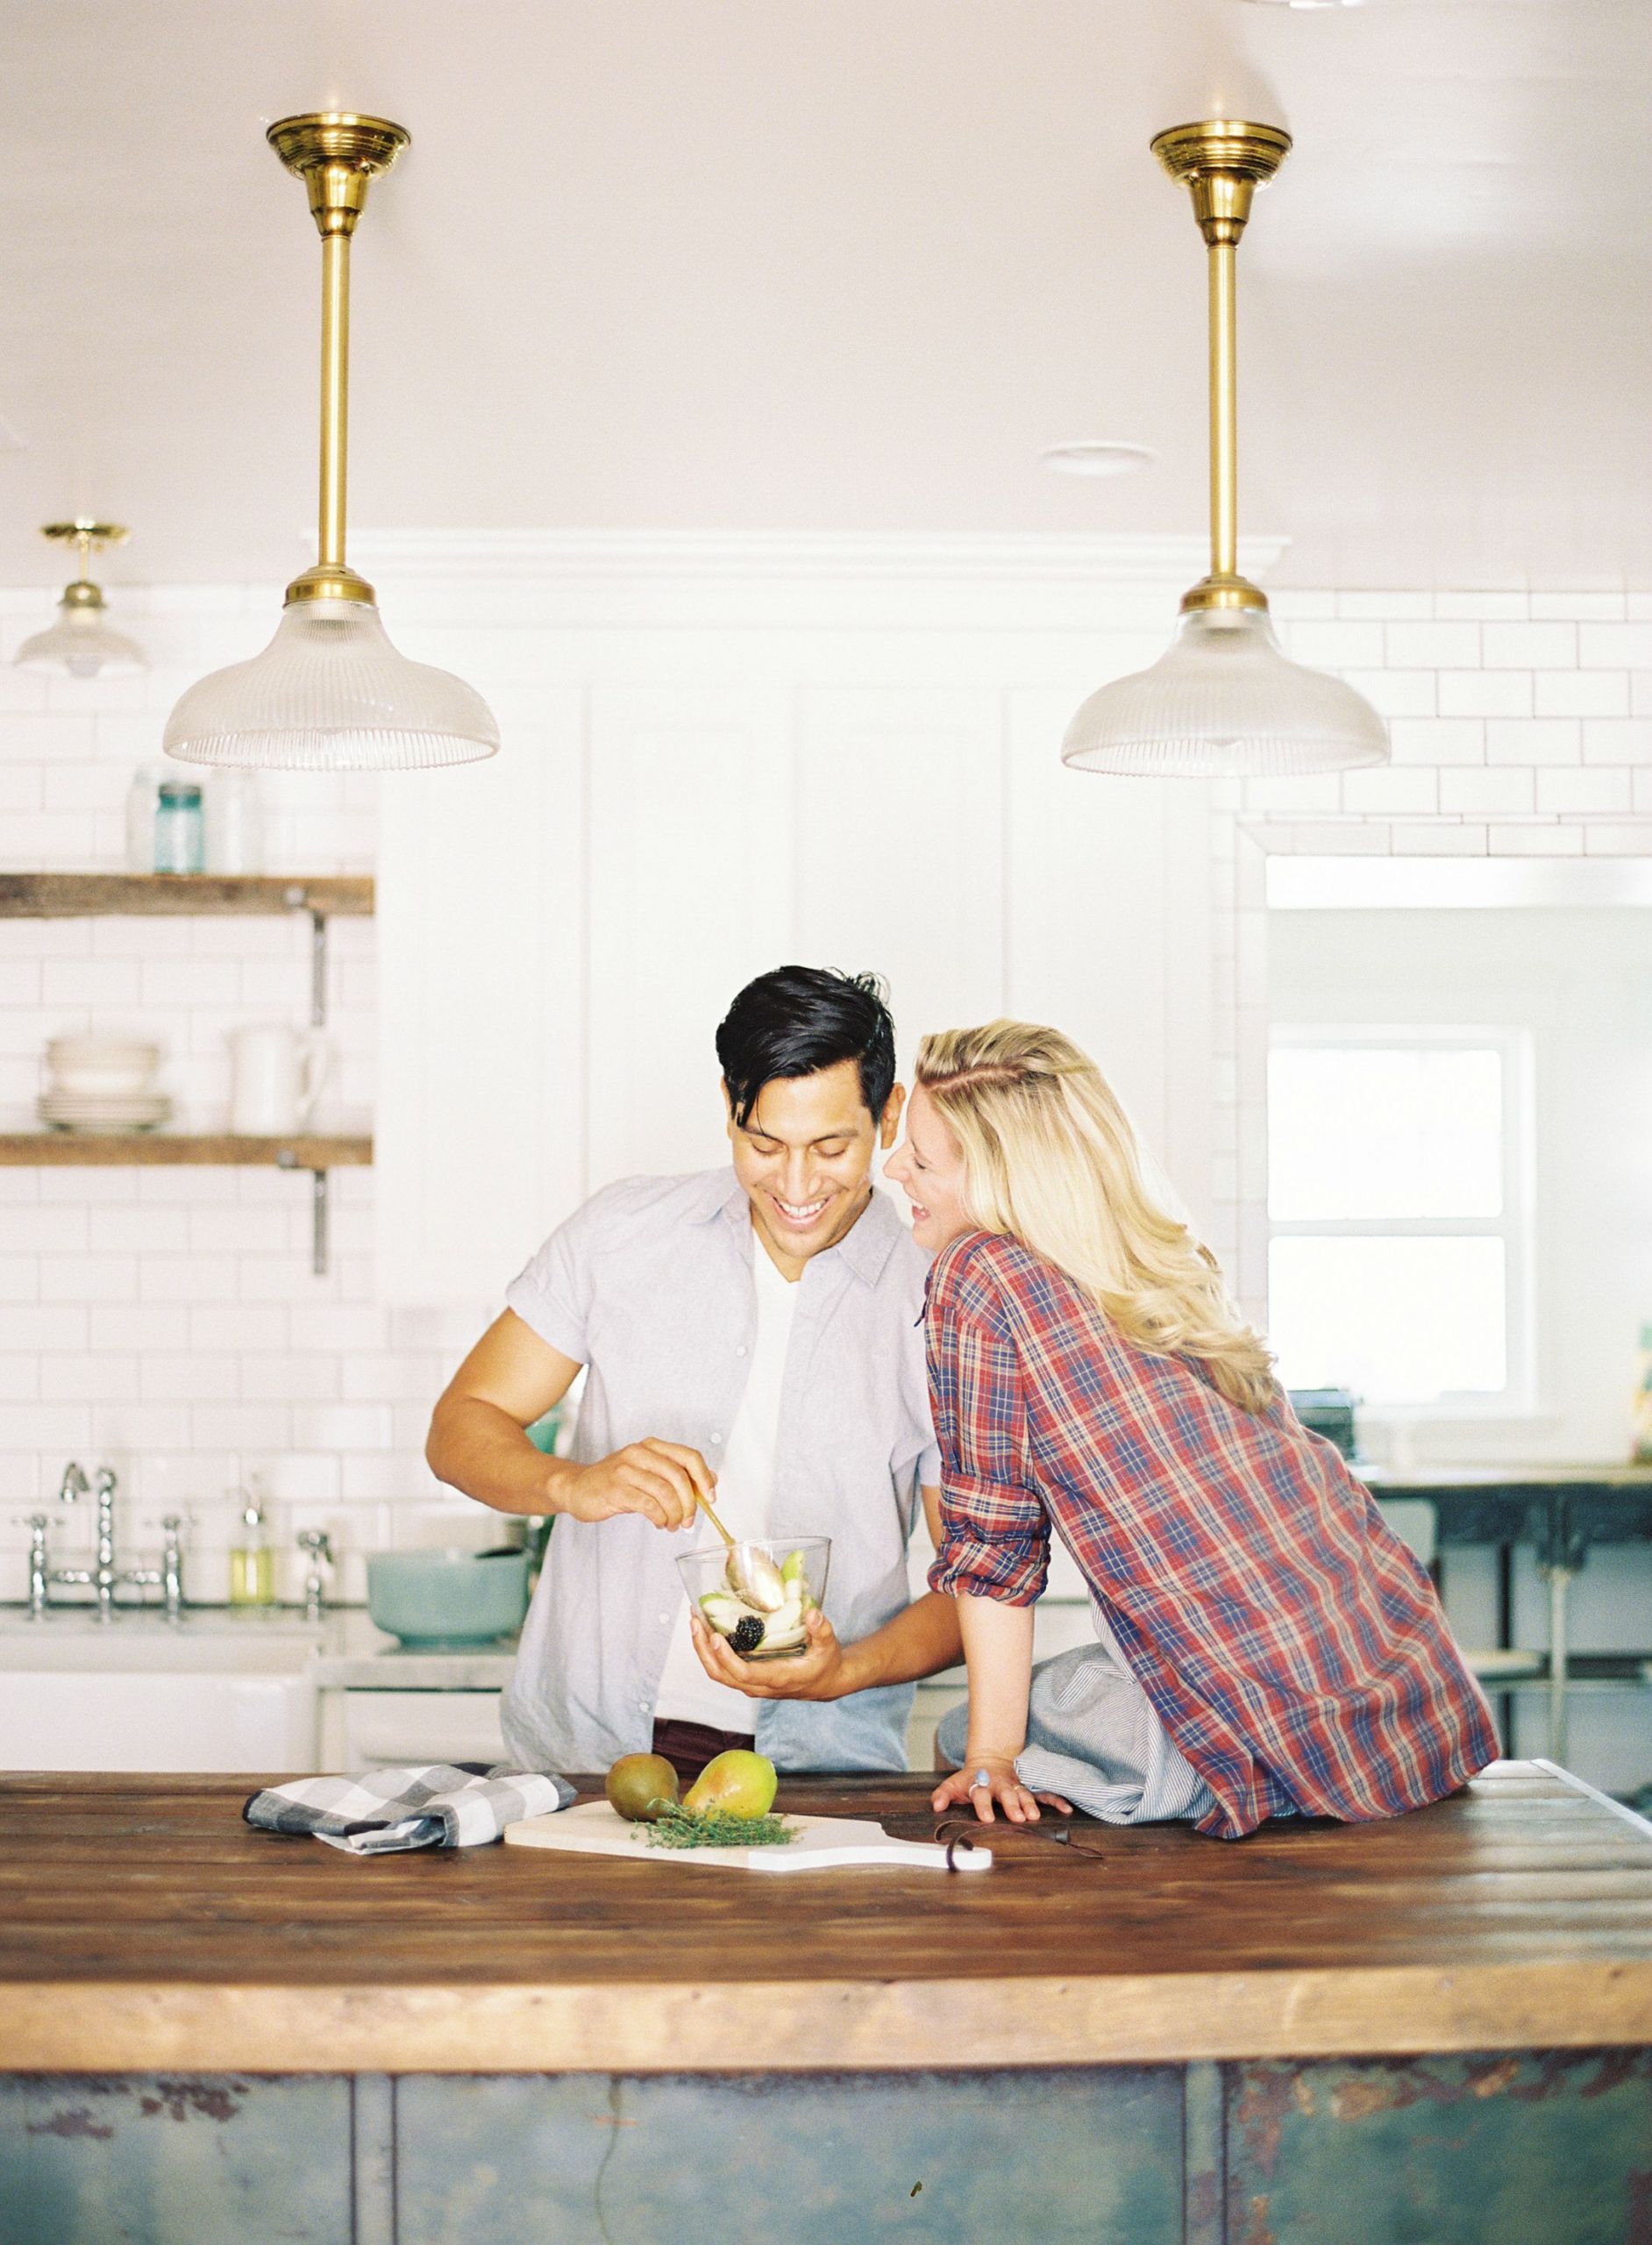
x: 665, y: 1619
x: 643, y: 1704
x: 716, y: 1434
x: 742, y: 1350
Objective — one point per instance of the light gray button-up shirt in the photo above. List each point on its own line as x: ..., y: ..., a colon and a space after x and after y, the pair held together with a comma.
x: 650, y: 1285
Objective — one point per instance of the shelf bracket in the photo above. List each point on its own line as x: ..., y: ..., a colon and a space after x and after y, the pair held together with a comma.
x: 319, y: 1206
x: 317, y: 968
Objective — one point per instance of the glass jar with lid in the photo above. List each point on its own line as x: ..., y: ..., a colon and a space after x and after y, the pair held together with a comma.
x: 179, y: 828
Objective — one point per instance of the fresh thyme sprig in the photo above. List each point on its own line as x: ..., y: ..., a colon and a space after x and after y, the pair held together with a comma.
x: 713, y: 1828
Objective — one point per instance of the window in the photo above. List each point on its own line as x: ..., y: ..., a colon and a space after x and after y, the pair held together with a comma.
x: 1399, y: 1213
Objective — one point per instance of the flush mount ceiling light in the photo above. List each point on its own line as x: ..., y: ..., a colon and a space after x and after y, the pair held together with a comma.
x: 1096, y: 456
x: 1225, y: 699
x: 329, y: 692
x: 82, y: 641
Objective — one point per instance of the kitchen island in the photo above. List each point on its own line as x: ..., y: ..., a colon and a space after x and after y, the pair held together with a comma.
x: 1433, y: 2027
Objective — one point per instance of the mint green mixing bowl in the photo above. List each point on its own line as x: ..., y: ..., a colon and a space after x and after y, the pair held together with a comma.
x: 447, y: 1597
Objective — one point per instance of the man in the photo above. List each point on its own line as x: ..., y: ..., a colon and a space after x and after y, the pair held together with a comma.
x: 749, y: 1334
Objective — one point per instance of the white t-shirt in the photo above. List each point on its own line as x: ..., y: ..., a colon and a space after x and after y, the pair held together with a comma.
x: 745, y: 1487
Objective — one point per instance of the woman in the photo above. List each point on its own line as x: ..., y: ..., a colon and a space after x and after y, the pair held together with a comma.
x: 1265, y: 1645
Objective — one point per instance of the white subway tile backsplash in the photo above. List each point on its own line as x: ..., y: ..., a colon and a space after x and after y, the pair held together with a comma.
x: 1499, y: 607
x: 1466, y: 839
x: 1395, y: 607
x: 1481, y: 795
x: 194, y: 1376
x: 1485, y: 692
x: 1581, y: 693
x: 42, y: 1325
x: 285, y: 1378
x: 1397, y: 692
x: 1432, y: 646
x: 1529, y: 646
x: 344, y: 1426
x: 19, y: 1275
x: 1615, y: 646
x: 89, y: 1278
x: 1541, y: 839
x: 1578, y: 608
x: 93, y: 1377
x: 1617, y: 740
x: 1438, y: 741
x: 1532, y: 740
x: 1567, y: 794
x: 1632, y: 839
x: 1394, y: 791
x: 265, y: 1427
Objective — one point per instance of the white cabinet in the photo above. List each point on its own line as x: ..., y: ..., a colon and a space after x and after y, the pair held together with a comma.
x: 365, y: 1731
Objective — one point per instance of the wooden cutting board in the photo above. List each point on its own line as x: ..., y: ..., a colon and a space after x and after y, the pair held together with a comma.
x: 823, y: 1843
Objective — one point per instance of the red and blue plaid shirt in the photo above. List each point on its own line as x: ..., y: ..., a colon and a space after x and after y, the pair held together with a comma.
x: 1292, y: 1646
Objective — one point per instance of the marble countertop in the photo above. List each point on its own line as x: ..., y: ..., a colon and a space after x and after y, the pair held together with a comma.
x: 349, y: 1652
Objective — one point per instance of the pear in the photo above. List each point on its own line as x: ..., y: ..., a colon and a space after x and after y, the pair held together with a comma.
x: 795, y: 1575
x: 640, y: 1786
x: 737, y: 1783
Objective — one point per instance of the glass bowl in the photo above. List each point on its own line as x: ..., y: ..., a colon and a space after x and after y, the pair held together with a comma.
x: 758, y: 1594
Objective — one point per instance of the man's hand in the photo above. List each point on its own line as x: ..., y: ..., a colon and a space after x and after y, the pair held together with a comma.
x: 664, y: 1481
x: 821, y: 1671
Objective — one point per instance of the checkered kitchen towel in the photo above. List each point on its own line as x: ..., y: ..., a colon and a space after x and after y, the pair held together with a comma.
x: 386, y: 1812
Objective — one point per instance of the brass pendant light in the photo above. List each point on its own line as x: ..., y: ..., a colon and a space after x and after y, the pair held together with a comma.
x: 82, y: 641
x: 329, y: 692
x: 1225, y: 699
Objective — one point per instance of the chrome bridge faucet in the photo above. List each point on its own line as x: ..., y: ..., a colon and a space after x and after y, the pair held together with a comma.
x: 103, y: 1577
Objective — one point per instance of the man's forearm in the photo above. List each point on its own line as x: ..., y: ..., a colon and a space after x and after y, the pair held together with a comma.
x: 480, y: 1449
x: 923, y: 1639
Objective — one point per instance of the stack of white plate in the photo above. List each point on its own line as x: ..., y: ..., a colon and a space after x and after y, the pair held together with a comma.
x: 103, y: 1083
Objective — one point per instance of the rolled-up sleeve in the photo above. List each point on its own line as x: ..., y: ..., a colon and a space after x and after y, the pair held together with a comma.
x: 551, y: 1294
x: 995, y: 1532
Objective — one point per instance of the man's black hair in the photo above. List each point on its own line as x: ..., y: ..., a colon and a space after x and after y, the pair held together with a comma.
x: 795, y: 1020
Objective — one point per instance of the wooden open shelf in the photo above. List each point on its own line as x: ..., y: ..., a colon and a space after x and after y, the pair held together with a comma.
x: 163, y: 1149
x: 67, y: 896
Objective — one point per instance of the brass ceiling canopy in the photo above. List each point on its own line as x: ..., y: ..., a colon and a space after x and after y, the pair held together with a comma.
x: 336, y: 154
x: 1223, y: 163
x: 82, y: 640
x: 89, y: 538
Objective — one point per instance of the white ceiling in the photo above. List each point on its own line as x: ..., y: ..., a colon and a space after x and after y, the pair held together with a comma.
x: 834, y: 265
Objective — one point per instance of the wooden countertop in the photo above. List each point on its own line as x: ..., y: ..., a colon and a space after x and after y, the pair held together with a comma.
x: 144, y: 1927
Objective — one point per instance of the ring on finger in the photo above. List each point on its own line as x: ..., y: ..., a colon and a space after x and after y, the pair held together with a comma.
x: 981, y: 1779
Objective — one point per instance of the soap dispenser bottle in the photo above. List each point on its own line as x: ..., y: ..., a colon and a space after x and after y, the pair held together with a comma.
x: 252, y: 1560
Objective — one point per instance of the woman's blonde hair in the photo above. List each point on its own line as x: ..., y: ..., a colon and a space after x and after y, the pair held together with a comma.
x: 1049, y: 1156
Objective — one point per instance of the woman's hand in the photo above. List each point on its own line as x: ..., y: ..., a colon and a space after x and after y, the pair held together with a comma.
x: 986, y: 1779
x: 818, y: 1672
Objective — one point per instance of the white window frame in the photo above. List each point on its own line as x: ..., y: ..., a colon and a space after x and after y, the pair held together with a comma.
x: 1515, y: 1226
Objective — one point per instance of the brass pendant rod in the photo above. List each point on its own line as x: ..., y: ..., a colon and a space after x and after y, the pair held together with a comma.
x: 335, y: 396
x: 1222, y: 162
x: 336, y: 154
x: 1224, y: 413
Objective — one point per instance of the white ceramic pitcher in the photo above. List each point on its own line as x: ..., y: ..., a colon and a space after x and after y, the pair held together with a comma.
x: 276, y: 1075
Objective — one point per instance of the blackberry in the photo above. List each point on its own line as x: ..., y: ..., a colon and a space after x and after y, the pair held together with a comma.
x: 748, y: 1634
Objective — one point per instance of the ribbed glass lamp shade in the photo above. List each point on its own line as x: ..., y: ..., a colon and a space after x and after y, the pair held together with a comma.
x: 84, y: 643
x: 331, y: 693
x: 1225, y: 699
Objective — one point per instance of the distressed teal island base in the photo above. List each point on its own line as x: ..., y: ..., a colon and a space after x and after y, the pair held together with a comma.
x: 1530, y: 2148
x: 1434, y: 2031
